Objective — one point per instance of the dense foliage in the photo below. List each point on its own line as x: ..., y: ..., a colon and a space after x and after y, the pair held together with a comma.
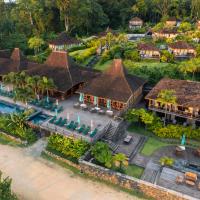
x: 68, y: 147
x: 154, y: 124
x: 5, y: 189
x: 15, y: 125
x: 24, y: 19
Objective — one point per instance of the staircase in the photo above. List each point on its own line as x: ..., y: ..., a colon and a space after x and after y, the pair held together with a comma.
x: 110, y: 132
x: 113, y: 146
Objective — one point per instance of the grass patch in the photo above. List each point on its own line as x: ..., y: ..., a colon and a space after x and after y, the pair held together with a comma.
x: 103, y: 66
x: 134, y: 170
x: 152, y: 145
x: 5, y: 140
x: 77, y: 172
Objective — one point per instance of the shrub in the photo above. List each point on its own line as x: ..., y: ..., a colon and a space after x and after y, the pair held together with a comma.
x: 166, y: 56
x: 132, y: 55
x: 166, y: 161
x: 68, y: 147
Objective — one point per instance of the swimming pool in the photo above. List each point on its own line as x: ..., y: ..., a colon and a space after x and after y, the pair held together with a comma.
x: 6, y: 108
x: 39, y: 118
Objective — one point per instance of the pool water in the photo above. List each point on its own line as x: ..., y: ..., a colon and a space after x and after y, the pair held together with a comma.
x: 39, y: 118
x: 6, y: 108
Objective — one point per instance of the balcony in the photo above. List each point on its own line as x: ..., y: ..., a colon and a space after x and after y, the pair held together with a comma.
x: 179, y: 113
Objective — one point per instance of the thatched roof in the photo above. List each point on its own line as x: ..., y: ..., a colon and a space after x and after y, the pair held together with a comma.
x: 114, y: 84
x: 187, y: 92
x: 61, y: 68
x: 15, y: 63
x: 147, y: 47
x: 64, y: 39
x: 181, y: 45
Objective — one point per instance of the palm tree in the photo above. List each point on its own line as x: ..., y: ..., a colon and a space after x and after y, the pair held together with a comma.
x: 9, y: 79
x: 166, y: 97
x: 46, y: 84
x: 17, y: 120
x: 33, y: 82
x: 20, y: 79
x: 120, y: 160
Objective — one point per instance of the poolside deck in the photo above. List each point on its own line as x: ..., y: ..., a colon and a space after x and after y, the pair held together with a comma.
x: 167, y: 179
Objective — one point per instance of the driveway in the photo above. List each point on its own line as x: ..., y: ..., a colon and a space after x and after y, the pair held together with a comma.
x: 35, y: 178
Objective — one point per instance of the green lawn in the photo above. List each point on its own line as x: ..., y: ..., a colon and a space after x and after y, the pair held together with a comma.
x: 152, y: 145
x: 135, y: 171
x: 5, y: 140
x: 103, y: 66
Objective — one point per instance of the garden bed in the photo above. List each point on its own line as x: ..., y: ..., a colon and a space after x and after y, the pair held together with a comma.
x: 134, y: 171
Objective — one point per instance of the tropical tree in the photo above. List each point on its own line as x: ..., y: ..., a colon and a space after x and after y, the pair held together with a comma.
x: 33, y: 82
x: 102, y: 154
x: 35, y: 43
x: 166, y: 97
x: 120, y: 160
x: 5, y: 189
x: 17, y: 120
x: 46, y: 84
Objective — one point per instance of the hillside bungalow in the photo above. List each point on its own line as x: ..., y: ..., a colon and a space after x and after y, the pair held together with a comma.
x: 172, y: 21
x: 182, y: 49
x: 135, y: 23
x: 67, y: 75
x: 63, y: 42
x: 148, y: 51
x: 114, y: 88
x: 187, y: 99
x: 165, y: 33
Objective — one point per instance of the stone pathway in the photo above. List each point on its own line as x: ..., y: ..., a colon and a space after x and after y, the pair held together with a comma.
x: 140, y: 160
x: 35, y: 178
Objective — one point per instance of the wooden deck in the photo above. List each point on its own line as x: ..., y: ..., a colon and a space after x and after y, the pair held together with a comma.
x: 167, y: 179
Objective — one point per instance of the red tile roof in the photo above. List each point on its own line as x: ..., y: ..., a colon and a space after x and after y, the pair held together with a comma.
x: 181, y: 45
x: 147, y: 47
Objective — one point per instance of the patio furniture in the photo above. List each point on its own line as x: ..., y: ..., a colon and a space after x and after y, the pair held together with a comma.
x: 93, y: 110
x: 53, y: 108
x: 60, y: 109
x: 81, y: 129
x: 128, y: 139
x: 76, y: 105
x: 52, y: 120
x: 58, y: 121
x: 101, y: 112
x: 189, y: 176
x: 86, y: 131
x: 97, y: 109
x: 83, y: 105
x: 179, y: 179
x: 63, y: 122
x: 179, y: 151
x: 109, y: 113
x: 93, y: 133
x: 190, y: 183
x: 70, y: 125
x: 74, y: 126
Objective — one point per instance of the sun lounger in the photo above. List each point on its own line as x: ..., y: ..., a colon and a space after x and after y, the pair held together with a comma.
x: 63, y: 122
x: 52, y: 120
x: 60, y: 109
x: 86, y: 131
x: 81, y: 129
x: 93, y: 133
x: 58, y: 121
x: 70, y: 125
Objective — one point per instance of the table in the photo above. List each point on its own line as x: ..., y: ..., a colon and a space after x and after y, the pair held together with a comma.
x: 128, y: 139
x: 109, y: 112
x: 83, y: 105
x: 97, y: 108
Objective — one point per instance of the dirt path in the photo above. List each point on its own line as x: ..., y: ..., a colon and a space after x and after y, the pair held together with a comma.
x: 37, y: 179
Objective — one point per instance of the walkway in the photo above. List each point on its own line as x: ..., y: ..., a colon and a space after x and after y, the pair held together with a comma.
x: 36, y: 178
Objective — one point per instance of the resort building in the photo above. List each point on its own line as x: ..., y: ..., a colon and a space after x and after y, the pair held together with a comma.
x: 136, y: 23
x: 182, y: 49
x: 14, y: 62
x: 148, y: 51
x: 63, y: 42
x: 114, y: 88
x: 165, y: 33
x: 172, y: 21
x: 187, y: 99
x: 67, y: 75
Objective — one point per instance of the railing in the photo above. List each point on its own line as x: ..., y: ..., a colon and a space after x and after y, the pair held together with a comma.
x: 176, y: 112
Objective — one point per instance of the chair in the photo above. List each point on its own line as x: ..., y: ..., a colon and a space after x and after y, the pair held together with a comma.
x: 75, y: 125
x: 93, y: 133
x: 81, y: 129
x: 63, y: 122
x: 60, y: 109
x: 52, y: 120
x: 86, y: 131
x: 58, y: 121
x: 69, y: 126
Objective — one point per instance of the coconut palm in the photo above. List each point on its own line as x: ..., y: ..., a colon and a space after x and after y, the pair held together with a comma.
x: 33, y: 82
x: 46, y: 84
x: 120, y: 160
x: 17, y: 120
x: 9, y: 79
x: 166, y: 97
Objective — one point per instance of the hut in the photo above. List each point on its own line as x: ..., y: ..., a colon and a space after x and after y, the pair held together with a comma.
x: 135, y: 23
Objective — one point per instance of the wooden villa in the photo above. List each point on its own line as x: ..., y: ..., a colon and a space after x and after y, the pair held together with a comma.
x: 149, y: 51
x: 67, y: 75
x: 172, y: 21
x: 165, y: 33
x: 182, y: 49
x: 187, y: 99
x: 63, y: 42
x: 114, y: 86
x: 135, y: 23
